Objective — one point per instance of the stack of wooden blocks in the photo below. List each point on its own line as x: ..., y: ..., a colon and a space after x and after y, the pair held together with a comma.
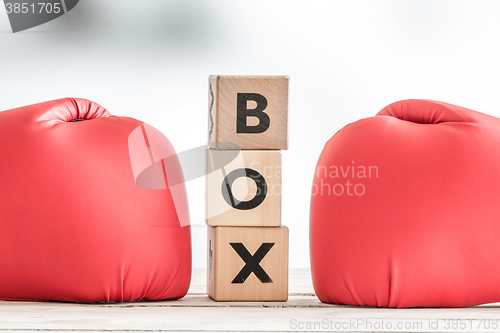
x: 247, y: 246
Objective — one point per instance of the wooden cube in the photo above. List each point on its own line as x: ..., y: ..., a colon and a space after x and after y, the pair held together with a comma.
x: 247, y: 263
x: 249, y: 111
x: 243, y: 188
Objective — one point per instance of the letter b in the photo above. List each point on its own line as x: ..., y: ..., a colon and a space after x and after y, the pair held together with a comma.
x: 244, y: 112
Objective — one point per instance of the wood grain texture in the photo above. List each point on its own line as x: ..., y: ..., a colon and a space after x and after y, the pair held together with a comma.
x: 222, y: 123
x: 154, y: 317
x: 198, y: 313
x: 220, y: 212
x: 225, y: 264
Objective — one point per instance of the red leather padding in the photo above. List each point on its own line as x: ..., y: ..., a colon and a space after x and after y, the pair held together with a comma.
x: 74, y: 225
x: 423, y: 228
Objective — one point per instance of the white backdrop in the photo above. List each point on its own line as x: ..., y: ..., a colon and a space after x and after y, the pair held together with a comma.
x: 346, y: 60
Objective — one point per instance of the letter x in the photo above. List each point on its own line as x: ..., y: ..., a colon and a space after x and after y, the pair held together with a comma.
x: 252, y: 263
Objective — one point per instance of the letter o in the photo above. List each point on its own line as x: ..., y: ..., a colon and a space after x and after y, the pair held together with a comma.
x: 259, y: 197
x: 356, y: 191
x: 335, y: 192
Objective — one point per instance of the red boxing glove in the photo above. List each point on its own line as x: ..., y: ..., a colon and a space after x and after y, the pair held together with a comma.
x: 405, y: 209
x: 75, y: 223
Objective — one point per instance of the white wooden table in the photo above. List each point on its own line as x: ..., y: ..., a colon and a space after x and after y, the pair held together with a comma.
x: 197, y: 313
